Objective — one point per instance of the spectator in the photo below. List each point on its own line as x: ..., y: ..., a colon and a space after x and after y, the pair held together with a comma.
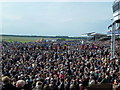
x: 6, y: 84
x: 20, y: 84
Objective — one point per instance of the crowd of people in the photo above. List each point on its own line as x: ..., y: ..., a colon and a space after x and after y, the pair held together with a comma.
x: 57, y: 65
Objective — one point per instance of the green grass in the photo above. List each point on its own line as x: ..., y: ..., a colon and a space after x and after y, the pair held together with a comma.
x: 27, y: 39
x: 20, y: 39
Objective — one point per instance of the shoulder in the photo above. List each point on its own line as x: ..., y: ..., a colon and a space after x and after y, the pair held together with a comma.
x: 8, y: 86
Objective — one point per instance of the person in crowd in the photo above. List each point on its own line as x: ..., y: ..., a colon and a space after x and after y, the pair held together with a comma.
x: 38, y: 86
x: 6, y: 84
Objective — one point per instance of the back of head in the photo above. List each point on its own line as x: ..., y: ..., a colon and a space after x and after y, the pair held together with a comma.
x: 5, y: 79
x: 46, y: 87
x: 20, y: 83
x: 39, y: 85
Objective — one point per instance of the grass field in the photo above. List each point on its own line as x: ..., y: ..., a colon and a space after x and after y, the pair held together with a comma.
x: 21, y: 39
x: 26, y: 39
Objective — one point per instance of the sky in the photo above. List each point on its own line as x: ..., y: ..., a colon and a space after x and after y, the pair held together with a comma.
x: 55, y: 18
x: 56, y: 0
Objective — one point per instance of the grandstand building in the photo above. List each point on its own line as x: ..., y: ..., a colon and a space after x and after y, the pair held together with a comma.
x: 116, y: 18
x: 115, y: 28
x: 116, y: 10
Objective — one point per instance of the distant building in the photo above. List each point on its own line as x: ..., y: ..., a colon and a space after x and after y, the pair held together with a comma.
x: 93, y: 36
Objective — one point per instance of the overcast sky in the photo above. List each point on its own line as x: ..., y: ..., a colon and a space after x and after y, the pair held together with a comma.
x: 57, y: 0
x: 55, y: 18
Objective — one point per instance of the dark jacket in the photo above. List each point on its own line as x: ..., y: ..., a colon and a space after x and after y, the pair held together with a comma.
x: 8, y: 87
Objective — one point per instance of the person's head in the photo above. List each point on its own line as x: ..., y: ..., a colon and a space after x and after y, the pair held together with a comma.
x: 45, y: 87
x: 39, y: 84
x: 5, y: 79
x: 71, y: 86
x: 20, y: 83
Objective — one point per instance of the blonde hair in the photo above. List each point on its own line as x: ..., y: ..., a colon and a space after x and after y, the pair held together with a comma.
x: 5, y: 79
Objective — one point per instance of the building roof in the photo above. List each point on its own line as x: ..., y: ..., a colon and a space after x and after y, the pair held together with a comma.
x: 95, y: 34
x: 98, y: 34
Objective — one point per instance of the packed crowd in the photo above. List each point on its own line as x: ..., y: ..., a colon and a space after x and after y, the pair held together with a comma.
x: 57, y: 65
